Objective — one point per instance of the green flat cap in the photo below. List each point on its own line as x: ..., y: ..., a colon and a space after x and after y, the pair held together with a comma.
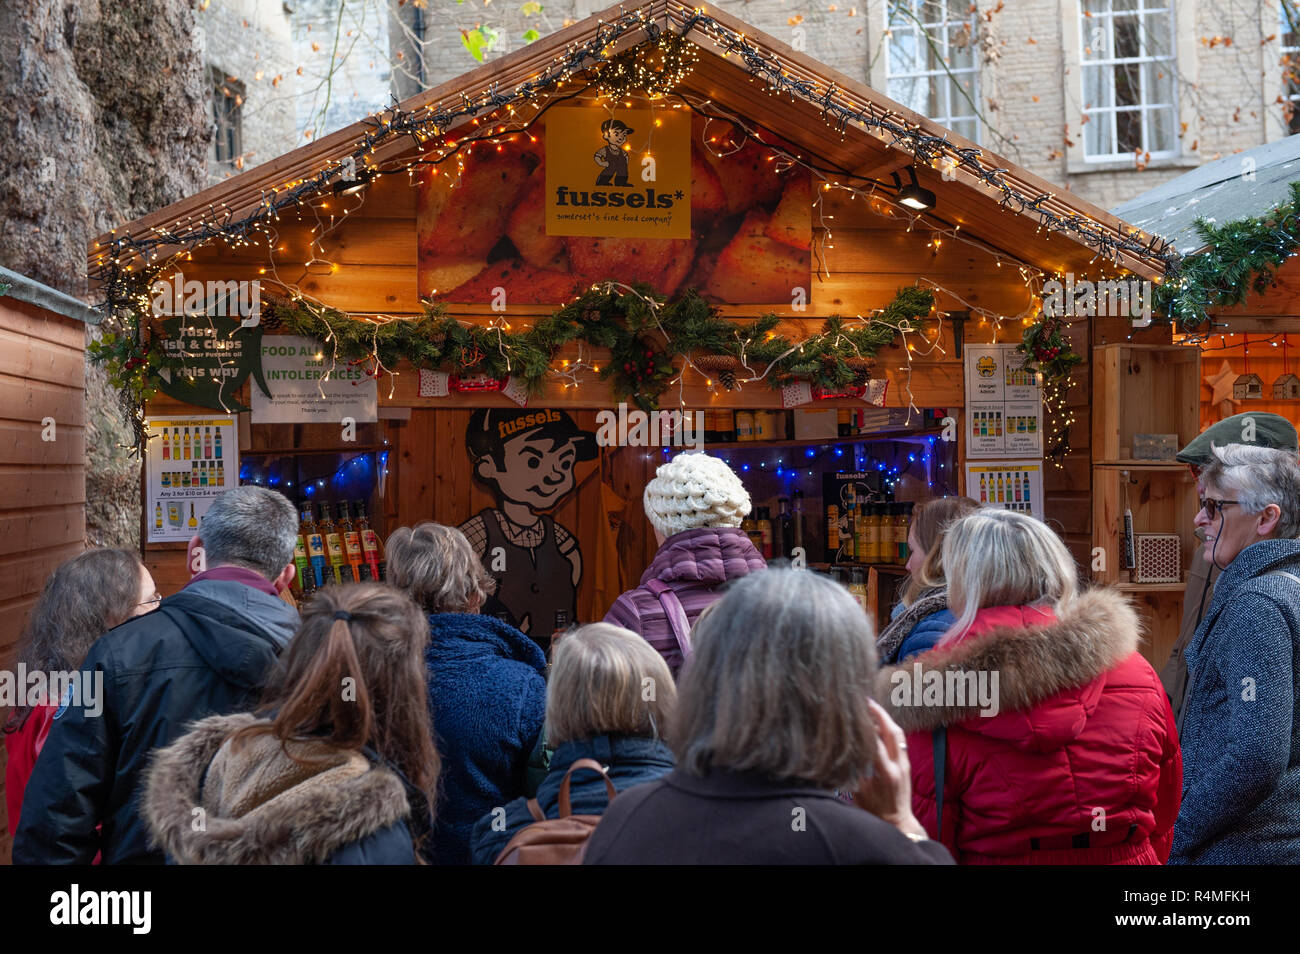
x: 1269, y: 430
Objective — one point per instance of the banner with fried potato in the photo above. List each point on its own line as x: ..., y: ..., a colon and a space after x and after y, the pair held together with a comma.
x: 715, y: 210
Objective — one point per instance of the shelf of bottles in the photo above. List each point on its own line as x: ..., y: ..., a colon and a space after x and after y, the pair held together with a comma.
x: 790, y: 480
x: 338, y: 496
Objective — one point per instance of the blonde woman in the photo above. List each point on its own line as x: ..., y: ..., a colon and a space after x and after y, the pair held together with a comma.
x: 1053, y: 739
x: 922, y: 615
x: 695, y: 505
x: 609, y: 698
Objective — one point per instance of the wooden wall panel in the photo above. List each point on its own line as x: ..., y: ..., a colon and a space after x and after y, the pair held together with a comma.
x: 42, y: 482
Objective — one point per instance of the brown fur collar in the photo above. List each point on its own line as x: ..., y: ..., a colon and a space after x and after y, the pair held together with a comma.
x: 1097, y: 632
x: 296, y: 820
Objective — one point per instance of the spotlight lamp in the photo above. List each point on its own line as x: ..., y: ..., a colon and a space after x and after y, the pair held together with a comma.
x: 913, y: 196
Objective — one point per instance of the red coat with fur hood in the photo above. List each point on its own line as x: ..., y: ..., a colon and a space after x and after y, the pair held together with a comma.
x: 1079, y: 765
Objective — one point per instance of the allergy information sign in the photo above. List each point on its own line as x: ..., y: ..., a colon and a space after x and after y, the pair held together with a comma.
x: 308, y: 385
x: 1004, y: 405
x: 622, y: 174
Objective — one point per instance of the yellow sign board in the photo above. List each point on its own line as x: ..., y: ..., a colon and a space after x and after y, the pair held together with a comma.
x: 624, y: 175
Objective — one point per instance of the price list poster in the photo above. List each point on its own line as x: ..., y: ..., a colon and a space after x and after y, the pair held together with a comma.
x: 1008, y: 485
x: 191, y: 460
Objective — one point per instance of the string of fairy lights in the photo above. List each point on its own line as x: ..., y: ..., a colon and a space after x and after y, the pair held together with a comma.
x: 651, y: 69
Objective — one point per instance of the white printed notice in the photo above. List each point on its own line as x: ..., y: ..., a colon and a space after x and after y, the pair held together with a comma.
x: 191, y: 460
x: 308, y: 385
x: 1004, y: 407
x: 1007, y: 485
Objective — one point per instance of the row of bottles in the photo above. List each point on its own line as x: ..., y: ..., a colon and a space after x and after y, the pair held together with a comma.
x: 175, y: 509
x: 780, y: 540
x: 727, y: 426
x: 869, y: 532
x: 1013, y: 489
x: 187, y: 446
x: 1019, y: 377
x: 989, y: 424
x: 201, y: 474
x: 328, y: 552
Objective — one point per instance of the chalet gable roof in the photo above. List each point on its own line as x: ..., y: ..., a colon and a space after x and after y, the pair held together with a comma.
x: 851, y: 129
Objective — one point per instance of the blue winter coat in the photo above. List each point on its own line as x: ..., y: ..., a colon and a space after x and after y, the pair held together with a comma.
x: 1241, y: 718
x: 487, y: 695
x: 631, y: 761
x: 925, y: 634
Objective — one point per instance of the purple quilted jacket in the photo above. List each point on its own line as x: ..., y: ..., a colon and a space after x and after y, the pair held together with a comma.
x: 695, y: 564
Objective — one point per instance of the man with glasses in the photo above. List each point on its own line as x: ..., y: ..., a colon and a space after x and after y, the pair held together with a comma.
x: 1241, y: 757
x: 1259, y: 430
x: 206, y: 650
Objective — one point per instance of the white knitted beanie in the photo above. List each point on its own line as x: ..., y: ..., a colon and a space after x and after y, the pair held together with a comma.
x: 694, y: 490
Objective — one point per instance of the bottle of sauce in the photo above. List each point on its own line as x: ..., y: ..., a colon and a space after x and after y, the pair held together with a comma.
x: 744, y: 425
x: 762, y: 425
x: 863, y: 536
x: 886, y: 552
x: 858, y: 586
x: 339, y: 571
x: 764, y: 525
x: 844, y: 426
x: 750, y: 526
x: 352, y: 545
x: 370, y: 547
x: 304, y: 581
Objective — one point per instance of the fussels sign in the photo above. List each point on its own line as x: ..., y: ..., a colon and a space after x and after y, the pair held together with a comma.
x: 626, y: 176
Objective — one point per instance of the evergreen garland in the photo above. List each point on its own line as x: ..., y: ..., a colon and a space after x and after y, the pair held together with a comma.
x: 632, y: 325
x: 1239, y: 258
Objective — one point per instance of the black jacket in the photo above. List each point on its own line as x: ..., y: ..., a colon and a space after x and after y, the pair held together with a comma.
x: 732, y: 818
x: 207, y: 650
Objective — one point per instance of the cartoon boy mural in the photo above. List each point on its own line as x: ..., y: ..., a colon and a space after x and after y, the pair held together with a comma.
x: 611, y: 157
x: 527, y: 456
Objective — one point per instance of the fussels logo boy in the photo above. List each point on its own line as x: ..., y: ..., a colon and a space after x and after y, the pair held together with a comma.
x: 608, y: 177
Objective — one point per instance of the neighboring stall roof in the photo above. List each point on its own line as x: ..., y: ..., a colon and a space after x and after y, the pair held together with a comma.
x: 729, y: 81
x: 1242, y: 185
x: 51, y: 299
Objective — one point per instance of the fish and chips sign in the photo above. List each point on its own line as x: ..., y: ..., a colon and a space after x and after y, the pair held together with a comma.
x: 623, y: 176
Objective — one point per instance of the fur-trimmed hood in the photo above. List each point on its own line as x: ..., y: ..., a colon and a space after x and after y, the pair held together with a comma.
x: 1033, y: 657
x: 207, y: 802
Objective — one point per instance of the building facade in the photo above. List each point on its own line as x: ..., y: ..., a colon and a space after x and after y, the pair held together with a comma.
x: 1107, y: 97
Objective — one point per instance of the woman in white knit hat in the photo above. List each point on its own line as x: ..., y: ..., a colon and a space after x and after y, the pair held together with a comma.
x: 695, y: 504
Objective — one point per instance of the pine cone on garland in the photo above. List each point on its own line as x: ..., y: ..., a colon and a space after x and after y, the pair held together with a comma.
x: 724, y: 366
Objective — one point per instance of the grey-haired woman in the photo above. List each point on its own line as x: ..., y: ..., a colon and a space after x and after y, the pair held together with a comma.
x: 774, y: 714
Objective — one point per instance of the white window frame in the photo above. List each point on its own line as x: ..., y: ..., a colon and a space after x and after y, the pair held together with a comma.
x: 1109, y: 114
x: 1294, y: 97
x: 937, y: 33
x: 1186, y: 64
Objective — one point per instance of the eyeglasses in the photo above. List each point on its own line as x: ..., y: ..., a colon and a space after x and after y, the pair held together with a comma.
x: 151, y: 601
x: 1211, y: 506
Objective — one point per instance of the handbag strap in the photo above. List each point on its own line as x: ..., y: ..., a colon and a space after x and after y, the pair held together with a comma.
x: 535, y: 810
x: 939, y: 742
x: 681, y: 626
x: 566, y: 807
